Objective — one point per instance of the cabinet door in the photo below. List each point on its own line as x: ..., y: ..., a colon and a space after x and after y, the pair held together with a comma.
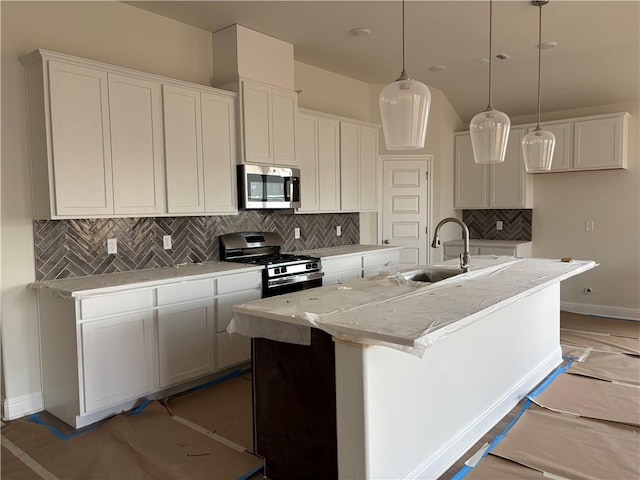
x: 219, y: 153
x: 136, y: 145
x: 563, y: 150
x: 234, y: 348
x: 284, y: 107
x: 599, y: 144
x: 185, y: 341
x: 183, y: 150
x: 256, y: 121
x: 507, y: 180
x: 329, y: 164
x: 470, y: 181
x: 349, y: 166
x: 307, y: 156
x: 78, y: 99
x: 117, y: 359
x: 368, y: 168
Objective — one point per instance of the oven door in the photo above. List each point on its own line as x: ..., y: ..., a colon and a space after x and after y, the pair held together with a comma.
x: 293, y: 283
x: 268, y: 187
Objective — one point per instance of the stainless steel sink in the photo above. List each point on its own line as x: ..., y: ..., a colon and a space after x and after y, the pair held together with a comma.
x: 432, y: 275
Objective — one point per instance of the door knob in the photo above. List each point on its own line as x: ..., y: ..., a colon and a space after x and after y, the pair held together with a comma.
x: 386, y: 242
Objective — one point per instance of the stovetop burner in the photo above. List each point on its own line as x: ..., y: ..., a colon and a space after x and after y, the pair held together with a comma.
x: 279, y: 259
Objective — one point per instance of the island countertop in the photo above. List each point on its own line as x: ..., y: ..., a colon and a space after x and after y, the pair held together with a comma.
x: 407, y: 315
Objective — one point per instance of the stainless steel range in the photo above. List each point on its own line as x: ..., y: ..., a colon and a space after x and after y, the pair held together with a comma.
x: 283, y: 273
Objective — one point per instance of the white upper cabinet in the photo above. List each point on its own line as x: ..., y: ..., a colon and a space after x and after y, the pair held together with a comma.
x: 200, y: 151
x: 79, y: 139
x: 183, y: 149
x: 268, y: 124
x: 219, y: 153
x: 318, y: 155
x: 503, y: 185
x: 105, y: 141
x: 600, y: 142
x: 137, y: 152
x: 359, y: 167
x: 589, y: 143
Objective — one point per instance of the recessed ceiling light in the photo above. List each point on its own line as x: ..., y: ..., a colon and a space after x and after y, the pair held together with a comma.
x: 546, y: 45
x: 360, y: 32
x: 502, y: 56
x: 437, y: 68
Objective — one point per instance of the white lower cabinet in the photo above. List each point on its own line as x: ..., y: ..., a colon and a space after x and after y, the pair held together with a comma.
x: 185, y: 341
x: 454, y: 248
x: 104, y: 353
x: 117, y: 359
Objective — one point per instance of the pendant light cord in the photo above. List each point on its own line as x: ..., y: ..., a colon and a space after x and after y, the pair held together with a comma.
x: 490, y: 106
x: 403, y: 75
x: 539, y: 58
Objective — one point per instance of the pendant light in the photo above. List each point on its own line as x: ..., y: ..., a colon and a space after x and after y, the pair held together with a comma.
x: 489, y: 129
x: 404, y: 108
x: 537, y: 146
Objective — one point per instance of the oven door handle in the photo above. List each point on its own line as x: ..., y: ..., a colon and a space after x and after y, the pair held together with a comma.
x: 304, y: 277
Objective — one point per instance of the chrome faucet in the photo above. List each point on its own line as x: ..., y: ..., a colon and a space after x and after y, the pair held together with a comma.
x: 464, y: 257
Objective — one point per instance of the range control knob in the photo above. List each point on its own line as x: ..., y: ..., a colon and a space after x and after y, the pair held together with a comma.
x: 307, y: 266
x: 314, y: 265
x: 283, y: 270
x: 276, y: 270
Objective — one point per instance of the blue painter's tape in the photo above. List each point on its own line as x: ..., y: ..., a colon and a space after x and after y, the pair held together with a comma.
x: 139, y: 409
x: 464, y: 471
x: 217, y: 381
x: 35, y: 418
x: 251, y: 473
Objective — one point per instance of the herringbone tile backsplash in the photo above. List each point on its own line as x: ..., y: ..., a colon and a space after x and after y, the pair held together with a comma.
x: 75, y: 248
x: 516, y: 224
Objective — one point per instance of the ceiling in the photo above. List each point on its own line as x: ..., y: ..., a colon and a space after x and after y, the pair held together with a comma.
x: 596, y: 62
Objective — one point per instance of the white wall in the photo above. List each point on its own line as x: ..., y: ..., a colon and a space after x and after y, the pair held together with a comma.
x: 110, y: 32
x: 611, y: 198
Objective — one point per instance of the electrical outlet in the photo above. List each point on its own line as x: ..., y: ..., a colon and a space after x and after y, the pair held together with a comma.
x: 338, y: 230
x: 166, y: 242
x: 112, y: 246
x: 499, y: 225
x: 589, y: 226
x: 296, y: 233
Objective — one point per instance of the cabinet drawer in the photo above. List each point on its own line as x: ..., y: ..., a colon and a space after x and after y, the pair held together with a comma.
x: 115, y: 303
x: 341, y: 264
x: 183, y: 292
x: 236, y: 283
x: 381, y: 259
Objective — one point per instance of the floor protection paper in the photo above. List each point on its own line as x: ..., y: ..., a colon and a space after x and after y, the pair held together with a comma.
x: 615, y: 367
x: 601, y: 342
x: 148, y: 445
x: 572, y: 447
x: 611, y: 326
x: 592, y: 398
x: 496, y: 468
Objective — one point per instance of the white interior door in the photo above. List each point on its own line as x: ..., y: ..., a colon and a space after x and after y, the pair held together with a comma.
x: 406, y: 209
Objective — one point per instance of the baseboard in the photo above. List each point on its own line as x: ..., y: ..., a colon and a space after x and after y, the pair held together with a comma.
x: 601, y: 310
x: 438, y: 462
x: 17, y: 407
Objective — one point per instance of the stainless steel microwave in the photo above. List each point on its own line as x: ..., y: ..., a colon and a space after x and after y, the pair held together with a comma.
x: 268, y: 186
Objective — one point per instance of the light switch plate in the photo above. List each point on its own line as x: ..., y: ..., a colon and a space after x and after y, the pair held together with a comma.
x: 296, y: 233
x: 499, y: 225
x: 166, y: 242
x: 338, y: 230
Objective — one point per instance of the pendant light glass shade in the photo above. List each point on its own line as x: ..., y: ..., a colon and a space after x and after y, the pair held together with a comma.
x: 489, y: 129
x: 489, y: 135
x: 404, y: 109
x: 537, y: 149
x: 538, y: 146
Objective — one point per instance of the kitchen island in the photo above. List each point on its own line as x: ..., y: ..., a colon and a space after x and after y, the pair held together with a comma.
x: 421, y: 370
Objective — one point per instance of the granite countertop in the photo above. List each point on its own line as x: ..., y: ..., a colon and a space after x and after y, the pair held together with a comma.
x: 410, y: 316
x: 80, y: 287
x: 346, y: 250
x: 496, y: 243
